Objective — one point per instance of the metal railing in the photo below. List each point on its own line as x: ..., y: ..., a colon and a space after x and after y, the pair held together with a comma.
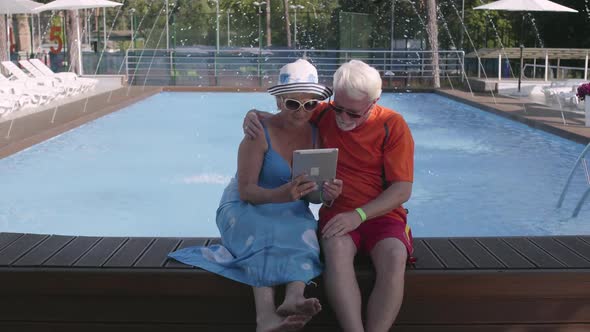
x: 254, y: 67
x: 580, y: 161
x: 557, y: 72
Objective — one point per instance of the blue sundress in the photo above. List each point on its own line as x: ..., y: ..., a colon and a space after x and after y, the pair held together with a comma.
x: 262, y: 245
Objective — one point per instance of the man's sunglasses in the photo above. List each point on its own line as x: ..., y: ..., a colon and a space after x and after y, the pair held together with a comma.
x: 294, y: 105
x: 353, y: 115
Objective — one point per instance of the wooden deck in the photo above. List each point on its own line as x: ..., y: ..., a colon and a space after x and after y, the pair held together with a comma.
x: 76, y: 283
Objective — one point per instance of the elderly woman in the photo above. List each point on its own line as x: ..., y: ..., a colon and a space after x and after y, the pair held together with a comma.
x: 268, y: 232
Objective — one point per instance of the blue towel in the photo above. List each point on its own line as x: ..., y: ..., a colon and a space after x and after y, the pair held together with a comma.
x: 265, y: 244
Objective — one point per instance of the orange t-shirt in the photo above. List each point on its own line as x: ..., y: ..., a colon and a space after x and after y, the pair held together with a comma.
x: 364, y: 156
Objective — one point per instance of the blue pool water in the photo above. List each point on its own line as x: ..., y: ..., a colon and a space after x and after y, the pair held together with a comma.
x: 158, y: 168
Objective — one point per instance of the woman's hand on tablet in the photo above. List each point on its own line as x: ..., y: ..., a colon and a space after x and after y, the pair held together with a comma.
x: 331, y: 190
x: 298, y: 188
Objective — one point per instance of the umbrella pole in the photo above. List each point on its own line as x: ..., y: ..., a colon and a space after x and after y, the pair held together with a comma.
x: 31, y: 54
x: 7, y: 38
x: 521, y: 51
x: 79, y: 43
x: 39, y: 30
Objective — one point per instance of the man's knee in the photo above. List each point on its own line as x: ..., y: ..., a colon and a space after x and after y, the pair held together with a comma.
x: 390, y: 255
x: 339, y: 247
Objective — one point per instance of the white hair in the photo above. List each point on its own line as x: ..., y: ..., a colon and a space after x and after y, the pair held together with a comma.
x: 358, y: 80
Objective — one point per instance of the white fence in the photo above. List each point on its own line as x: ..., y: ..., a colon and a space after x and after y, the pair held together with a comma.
x: 254, y: 67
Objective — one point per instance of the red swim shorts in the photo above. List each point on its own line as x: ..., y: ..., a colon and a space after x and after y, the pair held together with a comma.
x: 370, y: 232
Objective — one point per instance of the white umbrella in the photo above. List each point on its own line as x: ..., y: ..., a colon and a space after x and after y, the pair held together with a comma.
x: 525, y: 6
x: 8, y: 7
x: 77, y: 5
x: 18, y: 6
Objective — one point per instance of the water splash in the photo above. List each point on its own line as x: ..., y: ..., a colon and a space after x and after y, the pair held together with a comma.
x: 452, y: 41
x: 537, y: 34
x: 207, y: 179
x: 502, y: 47
x: 483, y: 70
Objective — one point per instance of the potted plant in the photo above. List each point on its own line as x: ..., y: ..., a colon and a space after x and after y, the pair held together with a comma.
x: 583, y: 91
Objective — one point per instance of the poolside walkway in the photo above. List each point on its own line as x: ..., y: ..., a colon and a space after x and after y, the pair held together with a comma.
x: 527, y: 111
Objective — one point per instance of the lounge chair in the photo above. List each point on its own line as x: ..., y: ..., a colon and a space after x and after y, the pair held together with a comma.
x: 75, y: 87
x: 562, y: 92
x: 50, y: 84
x: 28, y: 92
x: 87, y: 83
x: 570, y: 98
x: 8, y: 105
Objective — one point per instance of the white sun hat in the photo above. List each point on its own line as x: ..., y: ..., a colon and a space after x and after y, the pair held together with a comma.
x: 299, y: 77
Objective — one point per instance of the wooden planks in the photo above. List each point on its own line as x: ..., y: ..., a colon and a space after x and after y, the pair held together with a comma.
x: 101, y: 252
x: 425, y: 258
x: 7, y: 238
x: 577, y: 245
x: 43, y: 251
x: 73, y: 251
x: 185, y: 243
x: 477, y: 253
x: 533, y: 253
x: 509, y: 257
x: 485, y: 253
x: 20, y: 247
x: 448, y: 254
x: 129, y: 252
x: 561, y: 253
x: 157, y: 254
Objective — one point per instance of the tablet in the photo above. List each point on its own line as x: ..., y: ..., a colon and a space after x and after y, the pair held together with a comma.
x: 318, y: 164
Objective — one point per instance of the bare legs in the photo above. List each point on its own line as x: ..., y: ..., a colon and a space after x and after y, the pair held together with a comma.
x: 267, y: 320
x: 340, y: 282
x: 296, y: 303
x: 389, y: 258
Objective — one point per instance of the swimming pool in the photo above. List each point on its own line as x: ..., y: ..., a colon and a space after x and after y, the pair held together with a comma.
x: 158, y: 168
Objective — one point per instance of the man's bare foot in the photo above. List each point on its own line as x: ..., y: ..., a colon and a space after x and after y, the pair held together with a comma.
x: 300, y: 306
x: 276, y: 323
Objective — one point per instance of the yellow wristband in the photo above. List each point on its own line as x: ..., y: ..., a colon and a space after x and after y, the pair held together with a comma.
x: 361, y: 213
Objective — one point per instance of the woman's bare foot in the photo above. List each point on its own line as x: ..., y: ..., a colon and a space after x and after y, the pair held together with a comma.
x: 276, y: 323
x: 299, y: 306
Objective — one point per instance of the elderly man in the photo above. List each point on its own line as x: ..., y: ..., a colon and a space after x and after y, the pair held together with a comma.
x: 376, y: 163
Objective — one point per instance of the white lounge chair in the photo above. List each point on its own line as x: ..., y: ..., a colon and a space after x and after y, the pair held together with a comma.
x: 49, y: 83
x: 8, y: 105
x: 562, y: 92
x: 87, y: 83
x: 72, y: 86
x: 570, y: 98
x: 28, y: 91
